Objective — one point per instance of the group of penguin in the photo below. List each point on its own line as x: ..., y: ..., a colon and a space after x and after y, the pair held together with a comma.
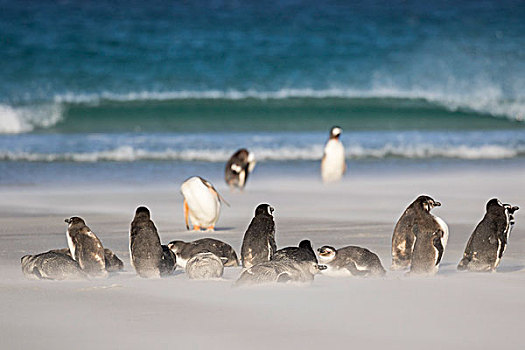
x: 418, y: 242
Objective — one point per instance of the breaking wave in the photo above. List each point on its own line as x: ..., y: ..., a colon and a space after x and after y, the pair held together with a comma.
x: 312, y: 153
x: 27, y: 118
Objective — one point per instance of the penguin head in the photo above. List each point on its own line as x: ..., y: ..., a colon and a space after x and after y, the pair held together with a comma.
x: 327, y: 253
x: 176, y: 246
x: 242, y: 154
x: 495, y: 206
x: 335, y: 132
x: 306, y: 244
x: 426, y: 203
x: 510, y: 210
x: 142, y: 212
x: 75, y: 221
x: 314, y: 268
x: 25, y: 259
x: 264, y: 210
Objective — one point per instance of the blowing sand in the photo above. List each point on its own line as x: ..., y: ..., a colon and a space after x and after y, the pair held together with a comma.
x: 449, y: 310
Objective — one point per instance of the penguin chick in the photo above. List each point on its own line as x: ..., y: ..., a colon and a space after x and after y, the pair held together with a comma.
x: 186, y: 250
x: 304, y: 252
x: 350, y: 260
x: 279, y: 271
x: 144, y: 244
x: 51, y: 265
x: 488, y: 242
x: 417, y: 216
x: 258, y: 244
x: 85, y: 247
x: 205, y: 265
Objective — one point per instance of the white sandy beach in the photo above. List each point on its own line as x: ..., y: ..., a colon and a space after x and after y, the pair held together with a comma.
x: 450, y: 310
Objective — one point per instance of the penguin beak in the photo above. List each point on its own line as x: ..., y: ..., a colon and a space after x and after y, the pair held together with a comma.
x: 437, y: 204
x: 67, y: 221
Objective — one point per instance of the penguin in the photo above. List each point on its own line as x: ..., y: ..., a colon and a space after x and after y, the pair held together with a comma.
x: 304, y: 252
x: 238, y: 167
x: 350, y: 260
x: 427, y: 253
x: 51, y: 265
x: 417, y: 216
x: 113, y: 262
x: 258, y: 244
x: 333, y: 164
x: 85, y: 247
x: 281, y: 271
x: 488, y: 242
x: 202, y: 203
x: 168, y: 263
x: 185, y: 251
x: 204, y: 265
x: 144, y: 245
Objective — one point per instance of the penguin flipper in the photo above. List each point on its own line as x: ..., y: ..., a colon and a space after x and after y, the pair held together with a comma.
x: 354, y: 270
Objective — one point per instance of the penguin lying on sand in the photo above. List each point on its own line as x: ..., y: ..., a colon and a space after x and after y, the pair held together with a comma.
x: 279, y: 271
x: 304, y: 252
x: 350, y: 260
x: 51, y: 265
x: 186, y: 250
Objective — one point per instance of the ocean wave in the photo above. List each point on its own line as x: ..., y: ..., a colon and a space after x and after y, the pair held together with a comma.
x: 15, y: 120
x: 312, y: 153
x: 486, y: 100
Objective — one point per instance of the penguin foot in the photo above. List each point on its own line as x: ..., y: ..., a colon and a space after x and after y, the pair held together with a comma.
x: 211, y: 229
x: 196, y: 228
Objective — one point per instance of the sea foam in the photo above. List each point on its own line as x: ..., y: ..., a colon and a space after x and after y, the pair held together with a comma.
x: 289, y: 153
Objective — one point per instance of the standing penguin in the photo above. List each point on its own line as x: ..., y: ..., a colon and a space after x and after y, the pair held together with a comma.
x: 427, y: 253
x: 144, y: 245
x: 416, y: 217
x: 333, y: 163
x: 202, y: 203
x: 238, y: 168
x: 487, y: 243
x: 258, y: 244
x: 85, y: 247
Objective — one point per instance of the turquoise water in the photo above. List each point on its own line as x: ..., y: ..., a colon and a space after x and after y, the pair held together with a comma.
x: 129, y: 82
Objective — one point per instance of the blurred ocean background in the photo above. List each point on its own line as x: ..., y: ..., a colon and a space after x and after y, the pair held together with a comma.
x: 138, y: 91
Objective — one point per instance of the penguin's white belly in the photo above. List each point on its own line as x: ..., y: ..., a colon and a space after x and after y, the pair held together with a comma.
x: 70, y: 245
x: 333, y: 165
x: 204, y: 206
x: 444, y: 227
x: 181, y: 262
